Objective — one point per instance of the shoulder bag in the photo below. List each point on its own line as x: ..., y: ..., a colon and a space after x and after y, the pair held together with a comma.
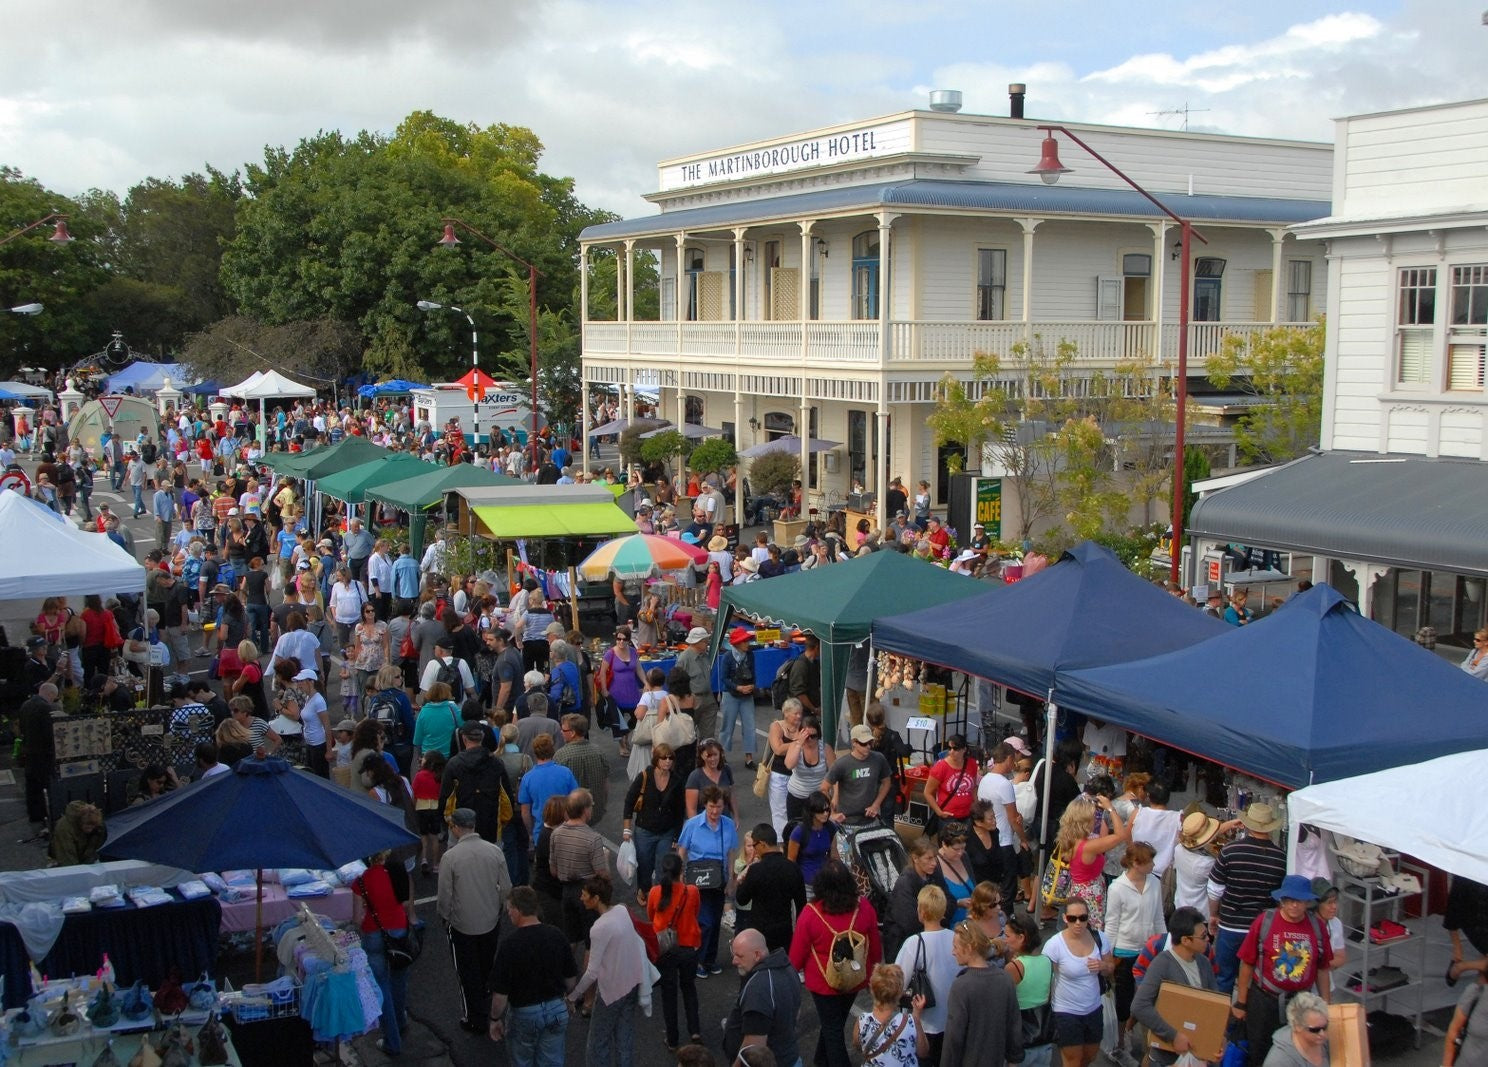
x: 706, y: 874
x: 400, y: 949
x: 666, y: 939
x: 919, y: 977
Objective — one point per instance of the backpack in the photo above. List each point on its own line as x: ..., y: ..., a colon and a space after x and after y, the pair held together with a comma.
x: 384, y: 709
x: 147, y: 452
x: 492, y: 813
x: 780, y: 687
x: 449, y: 674
x: 1268, y: 918
x: 847, y: 956
x: 227, y: 574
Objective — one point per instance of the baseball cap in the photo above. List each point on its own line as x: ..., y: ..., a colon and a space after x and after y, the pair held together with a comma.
x: 553, y: 629
x: 347, y: 725
x: 862, y: 734
x: 696, y: 634
x: 306, y: 675
x: 1018, y: 745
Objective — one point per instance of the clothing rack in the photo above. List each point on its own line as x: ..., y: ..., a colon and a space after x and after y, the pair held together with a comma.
x: 319, y: 940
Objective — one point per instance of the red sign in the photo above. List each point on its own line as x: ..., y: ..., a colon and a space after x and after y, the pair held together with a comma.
x: 1214, y: 572
x: 110, y: 404
x: 476, y: 383
x: 16, y: 480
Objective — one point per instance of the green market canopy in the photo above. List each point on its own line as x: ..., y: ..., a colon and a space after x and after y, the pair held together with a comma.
x: 839, y: 603
x: 319, y: 462
x: 352, y: 484
x: 427, y: 490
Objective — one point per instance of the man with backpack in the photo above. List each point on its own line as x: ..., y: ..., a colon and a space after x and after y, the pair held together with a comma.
x: 1286, y: 951
x: 445, y: 667
x: 565, y: 682
x: 477, y: 780
x: 769, y: 1001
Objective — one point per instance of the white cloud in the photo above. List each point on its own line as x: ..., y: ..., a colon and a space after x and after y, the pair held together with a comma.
x: 107, y: 95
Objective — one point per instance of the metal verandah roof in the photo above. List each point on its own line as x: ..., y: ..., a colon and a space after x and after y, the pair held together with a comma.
x: 1398, y: 510
x: 1020, y: 197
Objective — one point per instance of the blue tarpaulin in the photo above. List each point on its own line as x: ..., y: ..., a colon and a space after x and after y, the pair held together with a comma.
x: 1313, y: 692
x: 395, y: 387
x: 1086, y: 610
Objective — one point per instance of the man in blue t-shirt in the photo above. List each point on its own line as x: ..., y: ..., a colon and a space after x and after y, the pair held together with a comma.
x: 545, y: 779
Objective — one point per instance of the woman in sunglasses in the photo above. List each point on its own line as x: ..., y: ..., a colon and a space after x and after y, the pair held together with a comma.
x: 1081, y: 957
x: 1303, y: 1042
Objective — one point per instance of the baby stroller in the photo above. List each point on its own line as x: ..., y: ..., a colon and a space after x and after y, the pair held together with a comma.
x: 876, y: 856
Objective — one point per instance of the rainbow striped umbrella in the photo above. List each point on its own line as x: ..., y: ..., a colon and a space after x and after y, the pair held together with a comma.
x: 639, y: 556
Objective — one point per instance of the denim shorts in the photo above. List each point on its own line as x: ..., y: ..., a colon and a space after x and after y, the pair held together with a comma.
x: 1071, y: 1029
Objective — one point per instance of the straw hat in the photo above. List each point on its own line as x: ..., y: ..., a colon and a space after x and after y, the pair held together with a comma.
x: 718, y: 543
x: 1261, y: 819
x: 1198, y: 830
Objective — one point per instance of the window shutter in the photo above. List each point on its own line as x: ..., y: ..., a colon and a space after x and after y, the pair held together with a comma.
x: 710, y: 296
x: 1415, y: 355
x: 785, y: 294
x: 1263, y: 288
x: 1465, y: 367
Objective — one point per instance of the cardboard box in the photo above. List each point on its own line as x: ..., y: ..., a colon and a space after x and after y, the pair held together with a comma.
x: 1202, y: 1015
x: 1348, y: 1035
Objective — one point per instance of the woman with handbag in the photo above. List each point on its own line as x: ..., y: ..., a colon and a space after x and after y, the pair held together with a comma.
x: 648, y: 618
x: 621, y: 683
x: 382, y: 908
x: 1033, y: 974
x: 784, y: 732
x: 707, y: 844
x: 890, y: 1036
x: 672, y: 906
x: 929, y: 963
x: 653, y: 696
x: 1083, y: 846
x: 952, y: 785
x: 653, y: 814
x: 1466, y: 1027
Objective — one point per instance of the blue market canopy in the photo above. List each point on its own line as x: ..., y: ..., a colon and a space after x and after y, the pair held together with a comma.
x: 1313, y: 692
x: 262, y: 814
x: 1086, y: 610
x: 148, y: 377
x: 393, y: 387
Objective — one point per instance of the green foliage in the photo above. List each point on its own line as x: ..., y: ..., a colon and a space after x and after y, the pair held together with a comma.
x: 630, y: 442
x: 670, y: 444
x: 967, y: 420
x: 772, y: 473
x: 713, y: 455
x: 1282, y: 366
x: 1135, y: 549
x: 1195, y: 469
x: 471, y: 555
x: 603, y: 285
x: 346, y: 228
x: 319, y: 351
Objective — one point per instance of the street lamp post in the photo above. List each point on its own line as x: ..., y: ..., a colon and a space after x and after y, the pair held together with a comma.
x: 1049, y: 169
x: 429, y: 305
x: 449, y: 240
x: 59, y: 232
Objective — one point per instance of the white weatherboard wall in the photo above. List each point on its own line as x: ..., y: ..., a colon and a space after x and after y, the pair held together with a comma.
x: 1430, y: 158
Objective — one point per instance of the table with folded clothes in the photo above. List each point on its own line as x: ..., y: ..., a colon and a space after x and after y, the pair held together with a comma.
x: 283, y: 890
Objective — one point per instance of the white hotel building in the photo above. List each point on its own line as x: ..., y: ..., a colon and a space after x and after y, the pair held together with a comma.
x: 826, y: 281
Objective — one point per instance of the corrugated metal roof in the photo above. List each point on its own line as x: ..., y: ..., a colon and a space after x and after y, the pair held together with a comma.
x: 1019, y: 197
x: 1398, y: 510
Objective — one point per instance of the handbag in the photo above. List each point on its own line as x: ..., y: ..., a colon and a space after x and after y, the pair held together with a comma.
x: 400, y: 951
x: 919, y: 978
x: 641, y: 735
x: 706, y: 874
x: 1054, y: 887
x: 762, y: 775
x: 666, y: 940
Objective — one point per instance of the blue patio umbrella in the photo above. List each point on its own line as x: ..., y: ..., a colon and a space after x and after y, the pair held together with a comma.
x: 262, y: 814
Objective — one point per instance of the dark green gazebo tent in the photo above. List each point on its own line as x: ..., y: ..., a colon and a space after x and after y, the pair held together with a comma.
x: 318, y: 462
x: 418, y: 493
x: 838, y: 603
x: 351, y: 485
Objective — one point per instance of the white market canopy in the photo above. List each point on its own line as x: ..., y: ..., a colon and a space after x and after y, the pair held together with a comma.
x: 59, y: 559
x: 26, y: 389
x: 266, y: 385
x: 1428, y: 810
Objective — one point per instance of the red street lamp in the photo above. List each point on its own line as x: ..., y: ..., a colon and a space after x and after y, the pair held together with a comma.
x: 1049, y: 169
x: 59, y: 232
x: 450, y: 240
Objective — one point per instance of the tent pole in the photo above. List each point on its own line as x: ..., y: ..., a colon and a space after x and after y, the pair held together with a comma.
x: 258, y: 931
x: 573, y: 597
x: 1051, y: 714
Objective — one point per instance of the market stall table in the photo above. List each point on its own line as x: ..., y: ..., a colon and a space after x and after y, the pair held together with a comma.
x: 768, y: 659
x: 242, y: 916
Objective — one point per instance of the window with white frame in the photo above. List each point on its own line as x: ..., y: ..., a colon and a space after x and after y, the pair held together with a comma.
x: 1299, y: 291
x: 1468, y: 331
x: 1415, y: 325
x: 991, y: 283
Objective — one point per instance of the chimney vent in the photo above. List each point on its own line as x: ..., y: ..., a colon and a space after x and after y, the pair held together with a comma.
x: 1016, y: 92
x: 946, y: 100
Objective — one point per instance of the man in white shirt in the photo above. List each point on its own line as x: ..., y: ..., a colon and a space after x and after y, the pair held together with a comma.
x: 207, y: 766
x: 444, y: 657
x: 1157, y: 826
x: 997, y: 789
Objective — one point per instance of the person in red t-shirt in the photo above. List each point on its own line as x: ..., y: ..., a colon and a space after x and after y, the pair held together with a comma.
x: 382, y: 910
x: 951, y: 788
x: 1285, y: 951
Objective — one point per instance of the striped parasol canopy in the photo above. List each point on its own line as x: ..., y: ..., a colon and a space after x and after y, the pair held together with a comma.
x: 639, y: 556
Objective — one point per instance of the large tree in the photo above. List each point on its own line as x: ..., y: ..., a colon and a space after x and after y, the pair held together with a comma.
x: 1283, y: 369
x: 346, y: 229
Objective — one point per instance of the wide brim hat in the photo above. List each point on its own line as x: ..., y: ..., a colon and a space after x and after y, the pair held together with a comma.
x: 697, y: 634
x: 1198, y: 830
x: 1294, y: 887
x: 718, y: 543
x: 1261, y: 819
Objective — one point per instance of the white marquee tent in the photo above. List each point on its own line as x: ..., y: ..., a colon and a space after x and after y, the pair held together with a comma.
x: 57, y: 558
x: 265, y: 386
x: 1428, y: 810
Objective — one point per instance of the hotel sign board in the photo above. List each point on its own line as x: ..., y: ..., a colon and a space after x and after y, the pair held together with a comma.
x: 802, y: 153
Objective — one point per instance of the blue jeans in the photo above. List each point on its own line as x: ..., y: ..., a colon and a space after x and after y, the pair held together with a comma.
x: 537, y: 1034
x: 1226, y: 955
x: 394, y: 987
x: 740, y: 710
x: 612, y: 1032
x: 514, y: 848
x: 710, y: 919
x: 139, y: 500
x: 650, y: 848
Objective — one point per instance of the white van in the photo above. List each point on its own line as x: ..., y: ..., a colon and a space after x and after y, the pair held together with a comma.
x: 503, y: 406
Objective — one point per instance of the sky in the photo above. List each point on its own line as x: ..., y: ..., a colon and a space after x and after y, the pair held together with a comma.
x: 100, y: 95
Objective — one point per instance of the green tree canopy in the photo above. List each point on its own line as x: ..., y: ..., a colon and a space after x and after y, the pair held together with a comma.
x: 1283, y: 369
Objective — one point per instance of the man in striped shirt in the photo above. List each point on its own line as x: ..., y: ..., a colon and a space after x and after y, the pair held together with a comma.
x: 1240, y: 887
x: 577, y: 853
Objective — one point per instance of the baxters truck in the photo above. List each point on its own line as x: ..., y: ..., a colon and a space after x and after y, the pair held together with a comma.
x: 504, y: 408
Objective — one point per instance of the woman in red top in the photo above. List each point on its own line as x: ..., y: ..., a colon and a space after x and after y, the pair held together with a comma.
x: 382, y: 908
x: 100, y: 637
x: 672, y: 905
x: 1083, y: 841
x: 836, y: 907
x: 951, y: 788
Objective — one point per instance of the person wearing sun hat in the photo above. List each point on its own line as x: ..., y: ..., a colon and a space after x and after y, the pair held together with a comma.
x: 738, y: 693
x: 694, y: 660
x: 1285, y: 951
x: 1240, y: 886
x: 718, y: 552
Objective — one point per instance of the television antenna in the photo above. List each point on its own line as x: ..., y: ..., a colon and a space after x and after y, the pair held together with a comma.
x: 1183, y: 111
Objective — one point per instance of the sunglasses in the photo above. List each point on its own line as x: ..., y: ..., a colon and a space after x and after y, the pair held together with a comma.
x: 1317, y: 1029
x: 1081, y: 918
x: 665, y: 759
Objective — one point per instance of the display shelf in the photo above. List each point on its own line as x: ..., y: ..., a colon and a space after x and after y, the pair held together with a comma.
x: 1408, y: 953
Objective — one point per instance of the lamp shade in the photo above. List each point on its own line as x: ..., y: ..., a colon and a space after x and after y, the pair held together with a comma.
x: 1049, y: 168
